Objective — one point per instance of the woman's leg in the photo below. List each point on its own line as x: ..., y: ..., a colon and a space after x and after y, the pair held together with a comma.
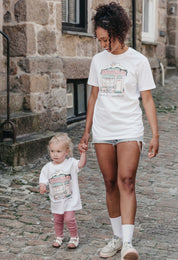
x: 128, y: 154
x: 107, y: 159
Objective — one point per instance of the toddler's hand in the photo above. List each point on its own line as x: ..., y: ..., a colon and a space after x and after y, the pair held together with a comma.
x: 84, y: 147
x: 42, y: 188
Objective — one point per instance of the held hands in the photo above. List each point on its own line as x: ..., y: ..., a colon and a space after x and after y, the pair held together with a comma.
x: 42, y: 188
x: 83, y: 145
x: 83, y: 148
x: 154, y: 147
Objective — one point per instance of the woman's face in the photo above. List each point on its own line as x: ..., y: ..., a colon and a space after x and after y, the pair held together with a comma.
x: 103, y: 38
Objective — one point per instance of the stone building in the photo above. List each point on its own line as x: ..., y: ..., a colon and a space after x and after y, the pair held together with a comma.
x: 51, y: 46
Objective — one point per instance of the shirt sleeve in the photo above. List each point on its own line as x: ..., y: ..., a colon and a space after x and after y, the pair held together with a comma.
x: 145, y: 76
x: 44, y: 175
x: 74, y: 164
x: 93, y: 78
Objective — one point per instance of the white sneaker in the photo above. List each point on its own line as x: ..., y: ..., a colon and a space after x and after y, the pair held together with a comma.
x: 111, y: 248
x: 128, y: 252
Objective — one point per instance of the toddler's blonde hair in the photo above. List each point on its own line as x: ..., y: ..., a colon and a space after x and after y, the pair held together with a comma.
x: 64, y: 139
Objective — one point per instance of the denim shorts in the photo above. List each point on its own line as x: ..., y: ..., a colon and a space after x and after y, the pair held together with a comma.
x: 117, y: 141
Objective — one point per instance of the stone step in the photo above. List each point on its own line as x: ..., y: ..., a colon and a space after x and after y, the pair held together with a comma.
x: 27, y: 149
x: 171, y: 71
x: 27, y: 122
x: 15, y: 101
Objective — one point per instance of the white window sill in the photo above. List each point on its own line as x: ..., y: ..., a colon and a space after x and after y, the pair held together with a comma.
x: 149, y: 43
x: 78, y: 33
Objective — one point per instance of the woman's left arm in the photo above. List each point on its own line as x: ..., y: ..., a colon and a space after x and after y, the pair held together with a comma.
x: 150, y: 110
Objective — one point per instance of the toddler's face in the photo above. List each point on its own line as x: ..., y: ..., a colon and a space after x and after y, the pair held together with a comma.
x: 58, y: 152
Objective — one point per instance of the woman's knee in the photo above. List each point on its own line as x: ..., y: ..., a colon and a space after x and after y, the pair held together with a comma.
x: 127, y: 184
x: 111, y: 186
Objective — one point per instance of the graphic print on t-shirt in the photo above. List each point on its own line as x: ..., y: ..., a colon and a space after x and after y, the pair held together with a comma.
x: 112, y: 80
x: 61, y: 185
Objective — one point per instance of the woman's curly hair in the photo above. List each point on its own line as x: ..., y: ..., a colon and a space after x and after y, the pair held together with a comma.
x: 113, y: 18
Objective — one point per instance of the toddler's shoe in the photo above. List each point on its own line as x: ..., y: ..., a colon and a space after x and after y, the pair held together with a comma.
x: 111, y: 248
x: 73, y: 243
x: 128, y: 252
x: 58, y: 242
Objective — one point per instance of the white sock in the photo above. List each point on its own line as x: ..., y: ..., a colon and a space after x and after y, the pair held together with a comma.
x: 116, y: 226
x: 127, y: 231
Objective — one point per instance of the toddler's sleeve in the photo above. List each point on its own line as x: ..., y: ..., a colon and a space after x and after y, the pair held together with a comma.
x: 74, y: 164
x: 44, y: 175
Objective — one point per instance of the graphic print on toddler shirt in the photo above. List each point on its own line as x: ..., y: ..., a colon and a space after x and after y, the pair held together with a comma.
x: 112, y: 80
x: 61, y: 185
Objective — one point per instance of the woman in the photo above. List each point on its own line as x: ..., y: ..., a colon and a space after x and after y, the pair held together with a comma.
x: 118, y: 76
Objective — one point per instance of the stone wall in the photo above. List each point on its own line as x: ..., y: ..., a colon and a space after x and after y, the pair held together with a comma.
x: 36, y: 66
x: 172, y: 33
x: 156, y: 52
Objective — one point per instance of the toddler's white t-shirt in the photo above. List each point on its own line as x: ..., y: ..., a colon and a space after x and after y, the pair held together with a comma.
x: 63, y: 185
x: 120, y: 78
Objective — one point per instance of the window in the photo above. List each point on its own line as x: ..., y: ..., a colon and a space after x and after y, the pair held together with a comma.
x: 149, y: 21
x: 76, y: 99
x: 74, y: 15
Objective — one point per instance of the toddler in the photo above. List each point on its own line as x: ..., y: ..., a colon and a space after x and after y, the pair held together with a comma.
x: 62, y: 177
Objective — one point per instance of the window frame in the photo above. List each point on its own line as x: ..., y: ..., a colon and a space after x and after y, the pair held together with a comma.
x: 82, y: 26
x: 78, y: 116
x: 150, y: 36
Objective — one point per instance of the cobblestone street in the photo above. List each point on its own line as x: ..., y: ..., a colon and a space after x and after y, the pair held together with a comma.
x: 26, y: 227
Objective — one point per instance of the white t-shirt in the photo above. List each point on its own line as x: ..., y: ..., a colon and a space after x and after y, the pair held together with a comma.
x: 120, y: 78
x: 63, y: 185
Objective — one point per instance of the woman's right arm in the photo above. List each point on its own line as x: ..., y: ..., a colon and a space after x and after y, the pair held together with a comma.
x: 83, y: 145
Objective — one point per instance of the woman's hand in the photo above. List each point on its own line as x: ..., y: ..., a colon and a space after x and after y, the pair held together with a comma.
x: 150, y: 110
x: 83, y: 145
x: 154, y: 147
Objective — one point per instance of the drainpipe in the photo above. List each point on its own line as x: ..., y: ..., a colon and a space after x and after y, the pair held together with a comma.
x: 162, y: 74
x: 134, y: 24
